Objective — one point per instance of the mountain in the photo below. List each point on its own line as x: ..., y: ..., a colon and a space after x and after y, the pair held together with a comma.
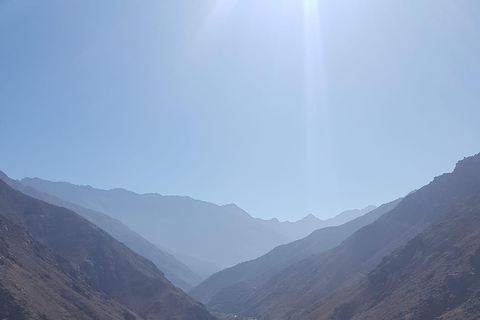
x: 107, y: 266
x: 188, y: 227
x: 436, y: 275
x: 304, y: 284
x: 202, y: 267
x: 175, y: 271
x: 37, y: 284
x: 216, y: 290
x: 303, y: 227
x: 348, y: 215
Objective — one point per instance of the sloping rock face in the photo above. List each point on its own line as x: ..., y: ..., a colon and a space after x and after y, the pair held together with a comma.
x: 37, y: 284
x: 304, y: 284
x: 436, y: 275
x: 105, y: 264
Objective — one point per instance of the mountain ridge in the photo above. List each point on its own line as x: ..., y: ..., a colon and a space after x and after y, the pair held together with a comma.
x: 185, y: 226
x: 436, y: 275
x: 174, y: 270
x: 107, y: 265
x: 301, y: 228
x: 35, y: 283
x: 309, y: 281
x: 256, y: 272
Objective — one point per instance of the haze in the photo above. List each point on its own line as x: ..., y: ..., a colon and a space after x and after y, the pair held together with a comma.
x: 283, y: 107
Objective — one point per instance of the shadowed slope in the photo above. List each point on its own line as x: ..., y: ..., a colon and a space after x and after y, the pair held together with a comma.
x: 37, y: 284
x: 183, y: 225
x: 175, y: 271
x: 256, y: 272
x: 105, y: 264
x: 436, y: 275
x: 312, y: 279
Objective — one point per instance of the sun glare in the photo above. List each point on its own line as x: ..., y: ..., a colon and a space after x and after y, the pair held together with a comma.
x: 304, y: 15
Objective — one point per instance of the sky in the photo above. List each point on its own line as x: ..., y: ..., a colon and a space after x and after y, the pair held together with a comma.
x: 284, y: 107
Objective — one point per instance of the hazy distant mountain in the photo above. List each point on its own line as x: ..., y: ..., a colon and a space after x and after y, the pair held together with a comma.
x: 246, y: 276
x: 305, y: 285
x: 303, y: 227
x: 202, y: 267
x: 175, y: 271
x: 105, y: 264
x: 191, y: 228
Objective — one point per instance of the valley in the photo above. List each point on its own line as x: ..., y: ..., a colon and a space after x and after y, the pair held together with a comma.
x: 239, y: 160
x: 346, y: 271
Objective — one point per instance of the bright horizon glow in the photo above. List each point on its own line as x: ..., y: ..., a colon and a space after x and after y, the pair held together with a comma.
x: 286, y: 108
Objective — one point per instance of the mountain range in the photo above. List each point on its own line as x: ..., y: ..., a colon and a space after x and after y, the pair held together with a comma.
x: 231, y: 284
x: 357, y: 270
x: 56, y: 265
x: 303, y: 227
x: 175, y: 271
x: 205, y: 236
x: 436, y: 275
x: 417, y: 257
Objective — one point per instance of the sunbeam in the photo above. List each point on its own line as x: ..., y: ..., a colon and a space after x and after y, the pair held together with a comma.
x: 219, y: 11
x: 319, y: 135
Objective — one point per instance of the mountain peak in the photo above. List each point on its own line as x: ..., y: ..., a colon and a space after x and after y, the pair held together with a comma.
x: 236, y: 210
x: 309, y: 217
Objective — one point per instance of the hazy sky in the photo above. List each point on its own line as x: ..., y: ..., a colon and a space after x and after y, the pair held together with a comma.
x: 284, y: 107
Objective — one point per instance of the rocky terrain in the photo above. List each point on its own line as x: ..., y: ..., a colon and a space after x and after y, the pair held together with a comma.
x: 108, y: 267
x: 436, y: 275
x: 35, y: 283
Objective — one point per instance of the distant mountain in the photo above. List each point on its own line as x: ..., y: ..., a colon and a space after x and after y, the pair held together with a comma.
x: 348, y: 215
x: 436, y: 275
x: 202, y: 267
x: 187, y: 227
x: 303, y: 227
x: 305, y: 286
x: 221, y: 288
x: 175, y: 271
x: 108, y: 267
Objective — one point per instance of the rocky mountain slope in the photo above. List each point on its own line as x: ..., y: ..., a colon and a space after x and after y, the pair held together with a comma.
x: 306, y: 283
x: 106, y: 265
x: 175, y: 271
x: 37, y: 284
x: 256, y: 272
x: 436, y: 275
